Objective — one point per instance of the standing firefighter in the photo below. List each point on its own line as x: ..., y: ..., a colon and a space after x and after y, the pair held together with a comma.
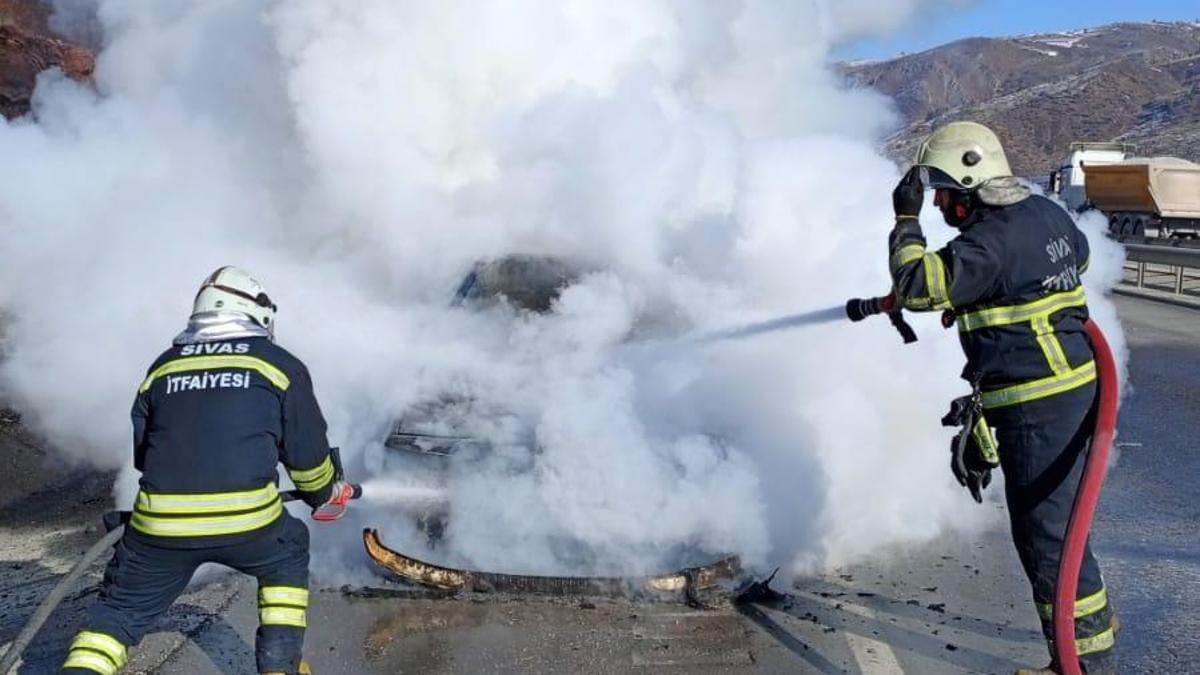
x: 1010, y: 280
x: 214, y: 415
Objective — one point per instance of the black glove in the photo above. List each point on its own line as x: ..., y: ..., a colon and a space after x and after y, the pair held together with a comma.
x: 973, y: 450
x: 909, y: 195
x: 969, y: 467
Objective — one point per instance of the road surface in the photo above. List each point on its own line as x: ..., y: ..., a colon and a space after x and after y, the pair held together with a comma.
x: 955, y: 606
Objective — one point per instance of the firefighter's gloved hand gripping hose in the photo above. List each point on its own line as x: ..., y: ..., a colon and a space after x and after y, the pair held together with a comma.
x: 115, y: 522
x: 858, y: 309
x: 1090, y: 483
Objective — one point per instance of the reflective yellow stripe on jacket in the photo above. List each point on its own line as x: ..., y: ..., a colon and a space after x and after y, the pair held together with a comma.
x: 203, y: 515
x: 907, y: 254
x: 1004, y: 316
x: 1038, y: 389
x: 1037, y: 315
x: 936, y: 281
x: 312, y: 480
x: 193, y: 363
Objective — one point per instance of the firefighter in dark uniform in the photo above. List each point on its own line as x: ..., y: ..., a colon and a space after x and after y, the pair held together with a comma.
x: 213, y: 417
x: 1010, y: 281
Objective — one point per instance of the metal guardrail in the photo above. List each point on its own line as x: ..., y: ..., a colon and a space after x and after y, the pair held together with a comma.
x: 1177, y: 254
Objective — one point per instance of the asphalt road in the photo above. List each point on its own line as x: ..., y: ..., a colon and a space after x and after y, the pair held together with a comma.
x: 955, y: 606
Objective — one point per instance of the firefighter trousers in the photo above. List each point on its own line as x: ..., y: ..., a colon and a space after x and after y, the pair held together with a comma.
x: 1043, y: 447
x: 142, y: 580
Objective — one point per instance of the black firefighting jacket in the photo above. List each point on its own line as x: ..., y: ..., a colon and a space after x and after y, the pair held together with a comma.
x: 210, y: 423
x: 1011, y: 280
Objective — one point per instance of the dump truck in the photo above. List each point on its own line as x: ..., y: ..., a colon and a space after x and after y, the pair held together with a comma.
x: 1140, y: 195
x: 1068, y: 180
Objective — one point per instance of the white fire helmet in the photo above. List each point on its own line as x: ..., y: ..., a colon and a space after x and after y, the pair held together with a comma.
x: 231, y: 289
x: 962, y: 156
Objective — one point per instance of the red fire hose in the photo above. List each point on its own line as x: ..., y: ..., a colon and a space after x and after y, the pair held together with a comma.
x: 1086, y: 497
x: 1084, y: 508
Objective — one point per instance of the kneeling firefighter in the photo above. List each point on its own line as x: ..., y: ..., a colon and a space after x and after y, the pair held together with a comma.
x: 1010, y: 280
x: 213, y: 417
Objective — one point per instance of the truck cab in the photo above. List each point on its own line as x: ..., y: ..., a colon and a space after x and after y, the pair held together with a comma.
x: 1068, y: 181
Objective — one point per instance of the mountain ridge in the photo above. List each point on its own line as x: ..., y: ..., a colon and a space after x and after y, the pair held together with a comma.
x: 1131, y: 82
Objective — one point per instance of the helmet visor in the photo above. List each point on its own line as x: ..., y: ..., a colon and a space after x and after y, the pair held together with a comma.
x: 936, y: 179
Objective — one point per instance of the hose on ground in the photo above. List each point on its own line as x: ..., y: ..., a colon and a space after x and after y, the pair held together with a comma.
x: 55, y: 598
x: 1084, y: 508
x: 51, y: 602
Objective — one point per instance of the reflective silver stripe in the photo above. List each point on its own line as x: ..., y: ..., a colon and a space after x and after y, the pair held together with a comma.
x: 151, y: 503
x: 205, y: 526
x: 1038, y: 389
x: 1003, y: 316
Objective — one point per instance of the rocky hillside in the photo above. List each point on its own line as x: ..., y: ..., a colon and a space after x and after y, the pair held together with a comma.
x: 1133, y: 82
x: 27, y: 47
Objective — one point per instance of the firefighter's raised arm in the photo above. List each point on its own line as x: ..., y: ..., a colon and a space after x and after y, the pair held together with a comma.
x: 959, y: 274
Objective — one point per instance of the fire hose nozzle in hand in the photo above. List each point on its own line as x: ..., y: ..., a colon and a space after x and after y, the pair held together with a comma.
x: 858, y: 309
x: 335, y: 507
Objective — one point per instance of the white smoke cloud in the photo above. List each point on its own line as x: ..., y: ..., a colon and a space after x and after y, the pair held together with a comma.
x: 359, y: 157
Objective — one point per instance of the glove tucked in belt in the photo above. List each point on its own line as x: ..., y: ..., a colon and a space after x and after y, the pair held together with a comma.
x: 973, y: 452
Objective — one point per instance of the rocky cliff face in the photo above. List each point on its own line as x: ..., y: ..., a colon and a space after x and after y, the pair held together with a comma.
x: 1137, y: 83
x: 27, y: 47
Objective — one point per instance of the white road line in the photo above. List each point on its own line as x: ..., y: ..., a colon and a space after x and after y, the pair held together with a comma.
x: 873, y: 657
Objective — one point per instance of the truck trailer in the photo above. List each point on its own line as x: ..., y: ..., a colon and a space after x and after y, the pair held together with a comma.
x: 1138, y: 195
x: 1159, y: 194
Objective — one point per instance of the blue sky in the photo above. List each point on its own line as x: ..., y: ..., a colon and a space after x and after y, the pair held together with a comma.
x: 998, y: 18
